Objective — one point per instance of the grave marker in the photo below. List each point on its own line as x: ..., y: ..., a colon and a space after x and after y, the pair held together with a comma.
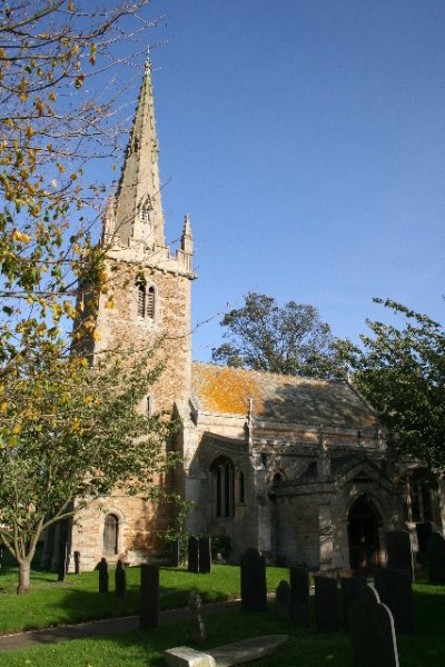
x: 351, y: 587
x: 205, y: 555
x: 373, y: 637
x: 327, y: 611
x: 395, y: 590
x: 299, y: 592
x: 150, y: 596
x: 282, y: 601
x: 103, y: 576
x: 436, y: 559
x: 120, y: 579
x: 193, y: 554
x: 400, y: 552
x: 253, y: 581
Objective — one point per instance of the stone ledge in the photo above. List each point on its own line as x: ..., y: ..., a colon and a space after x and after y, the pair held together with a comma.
x: 227, y: 655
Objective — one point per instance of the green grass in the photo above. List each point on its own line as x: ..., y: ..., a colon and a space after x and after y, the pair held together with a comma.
x: 306, y: 647
x: 77, y: 598
x: 50, y: 602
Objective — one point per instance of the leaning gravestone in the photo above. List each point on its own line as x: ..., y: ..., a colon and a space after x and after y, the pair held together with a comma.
x: 282, y: 601
x: 253, y: 581
x: 395, y: 590
x: 197, y: 629
x: 327, y: 611
x: 400, y: 552
x: 299, y: 592
x: 436, y: 559
x: 351, y: 587
x: 193, y: 554
x: 373, y: 637
x: 103, y: 576
x: 205, y: 555
x: 150, y: 598
x: 120, y: 579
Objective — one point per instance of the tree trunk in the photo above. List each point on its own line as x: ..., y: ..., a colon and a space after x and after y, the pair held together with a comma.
x: 24, y: 576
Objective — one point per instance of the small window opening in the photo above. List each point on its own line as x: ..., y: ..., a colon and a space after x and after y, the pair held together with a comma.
x: 111, y: 534
x: 142, y: 299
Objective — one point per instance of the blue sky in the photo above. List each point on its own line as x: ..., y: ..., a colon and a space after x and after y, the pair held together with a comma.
x: 306, y: 139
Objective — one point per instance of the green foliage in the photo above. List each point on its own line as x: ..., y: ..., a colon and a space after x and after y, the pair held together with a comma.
x: 291, y: 339
x: 401, y: 371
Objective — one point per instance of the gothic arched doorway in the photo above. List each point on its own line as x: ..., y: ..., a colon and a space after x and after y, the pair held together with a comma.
x: 363, y: 534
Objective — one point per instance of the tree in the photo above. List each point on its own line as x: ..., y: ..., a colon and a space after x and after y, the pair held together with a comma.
x: 68, y: 432
x: 401, y: 371
x: 291, y: 340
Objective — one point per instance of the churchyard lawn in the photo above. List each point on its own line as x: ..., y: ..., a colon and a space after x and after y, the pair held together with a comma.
x: 50, y: 602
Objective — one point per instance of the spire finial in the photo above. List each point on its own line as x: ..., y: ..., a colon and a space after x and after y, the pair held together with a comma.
x: 147, y: 58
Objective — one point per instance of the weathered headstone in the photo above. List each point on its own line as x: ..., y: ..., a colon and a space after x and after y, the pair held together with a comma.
x: 436, y: 559
x: 373, y: 637
x: 103, y: 576
x: 395, y: 590
x: 197, y: 629
x: 150, y: 597
x: 400, y: 551
x: 175, y: 556
x: 120, y: 579
x: 327, y: 610
x: 193, y: 554
x: 424, y: 531
x: 282, y: 601
x: 351, y: 587
x: 299, y: 591
x: 253, y: 581
x: 77, y: 562
x: 205, y: 555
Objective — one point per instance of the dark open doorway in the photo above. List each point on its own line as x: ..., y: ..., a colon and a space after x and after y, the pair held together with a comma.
x: 363, y: 534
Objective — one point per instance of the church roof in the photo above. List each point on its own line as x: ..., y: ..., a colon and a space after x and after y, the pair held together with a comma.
x: 279, y: 397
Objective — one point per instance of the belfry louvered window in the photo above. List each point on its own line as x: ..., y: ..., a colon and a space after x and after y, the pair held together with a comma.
x: 150, y: 307
x: 142, y: 299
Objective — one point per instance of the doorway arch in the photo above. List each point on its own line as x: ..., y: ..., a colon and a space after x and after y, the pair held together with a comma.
x: 363, y: 535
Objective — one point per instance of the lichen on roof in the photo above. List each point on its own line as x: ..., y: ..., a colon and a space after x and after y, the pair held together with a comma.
x: 287, y: 398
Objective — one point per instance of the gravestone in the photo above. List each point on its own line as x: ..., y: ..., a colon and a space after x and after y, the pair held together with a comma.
x: 436, y: 559
x: 193, y: 554
x: 395, y: 590
x: 205, y: 555
x: 150, y: 597
x: 351, y: 587
x: 253, y: 581
x: 372, y: 632
x: 175, y: 556
x: 103, y: 576
x: 282, y: 601
x: 197, y: 629
x: 424, y: 531
x: 327, y: 610
x: 299, y: 592
x: 400, y: 552
x: 120, y: 579
x: 77, y: 562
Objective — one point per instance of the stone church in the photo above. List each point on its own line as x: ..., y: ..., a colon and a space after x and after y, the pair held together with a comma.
x: 298, y: 468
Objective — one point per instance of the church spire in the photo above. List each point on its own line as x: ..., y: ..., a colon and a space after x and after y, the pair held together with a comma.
x: 138, y: 212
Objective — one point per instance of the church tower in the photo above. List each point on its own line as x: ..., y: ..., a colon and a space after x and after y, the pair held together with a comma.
x: 147, y: 304
x: 149, y: 288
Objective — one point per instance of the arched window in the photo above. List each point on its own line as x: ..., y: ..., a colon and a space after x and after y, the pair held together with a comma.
x: 111, y: 534
x: 421, y: 497
x: 151, y: 302
x: 223, y: 487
